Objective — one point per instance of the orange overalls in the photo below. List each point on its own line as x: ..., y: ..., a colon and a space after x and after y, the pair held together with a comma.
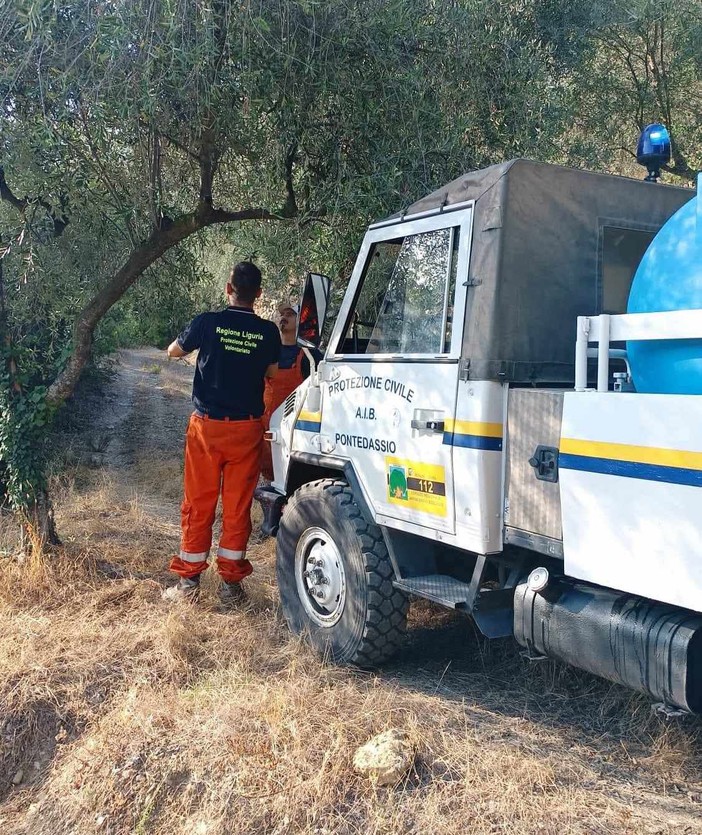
x: 224, y: 453
x: 277, y: 389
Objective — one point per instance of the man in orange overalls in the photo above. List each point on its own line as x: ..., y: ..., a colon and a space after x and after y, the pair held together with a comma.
x: 293, y: 368
x: 238, y: 352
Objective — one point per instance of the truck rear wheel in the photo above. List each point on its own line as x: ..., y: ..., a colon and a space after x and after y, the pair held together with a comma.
x: 335, y: 577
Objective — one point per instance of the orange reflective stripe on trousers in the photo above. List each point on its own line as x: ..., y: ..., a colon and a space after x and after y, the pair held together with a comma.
x: 219, y: 456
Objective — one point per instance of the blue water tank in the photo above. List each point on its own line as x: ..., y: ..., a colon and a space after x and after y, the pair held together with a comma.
x: 669, y: 277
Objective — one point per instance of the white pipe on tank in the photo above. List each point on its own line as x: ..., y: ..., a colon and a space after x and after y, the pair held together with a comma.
x: 603, y: 352
x: 583, y: 331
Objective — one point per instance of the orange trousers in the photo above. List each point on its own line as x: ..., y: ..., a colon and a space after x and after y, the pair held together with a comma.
x: 276, y: 390
x: 221, y: 456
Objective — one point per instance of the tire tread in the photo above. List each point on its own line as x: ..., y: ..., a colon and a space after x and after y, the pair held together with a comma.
x: 386, y: 606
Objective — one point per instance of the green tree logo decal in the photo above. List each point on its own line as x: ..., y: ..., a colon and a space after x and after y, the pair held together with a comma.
x: 398, y: 483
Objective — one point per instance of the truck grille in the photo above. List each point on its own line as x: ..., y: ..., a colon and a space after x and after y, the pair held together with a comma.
x: 290, y: 404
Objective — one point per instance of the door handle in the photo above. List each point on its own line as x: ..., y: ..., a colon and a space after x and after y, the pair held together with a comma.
x: 429, y: 425
x: 545, y: 463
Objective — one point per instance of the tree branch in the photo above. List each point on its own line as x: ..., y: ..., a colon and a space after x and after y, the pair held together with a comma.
x: 170, y: 139
x: 154, y: 164
x: 9, y: 196
x: 102, y: 171
x: 681, y: 167
x: 208, y: 158
x: 659, y: 71
x: 214, y: 216
x: 142, y: 257
x: 290, y: 207
x: 60, y: 221
x: 21, y: 204
x: 10, y: 362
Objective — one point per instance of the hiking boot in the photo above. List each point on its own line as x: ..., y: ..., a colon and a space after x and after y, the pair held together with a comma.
x: 232, y: 593
x: 186, y: 591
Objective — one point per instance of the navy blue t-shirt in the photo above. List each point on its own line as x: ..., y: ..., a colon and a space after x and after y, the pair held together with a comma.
x: 236, y: 347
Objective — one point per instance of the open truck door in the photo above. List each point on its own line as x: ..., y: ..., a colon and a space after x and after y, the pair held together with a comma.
x: 392, y: 369
x: 305, y: 400
x: 379, y: 415
x: 313, y: 310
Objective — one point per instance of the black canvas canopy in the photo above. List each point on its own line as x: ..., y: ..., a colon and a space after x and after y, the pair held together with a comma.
x: 549, y: 244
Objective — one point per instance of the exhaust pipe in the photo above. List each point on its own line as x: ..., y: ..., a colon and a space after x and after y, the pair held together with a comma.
x: 651, y: 647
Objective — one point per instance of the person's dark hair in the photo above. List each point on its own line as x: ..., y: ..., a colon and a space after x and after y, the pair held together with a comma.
x: 245, y: 278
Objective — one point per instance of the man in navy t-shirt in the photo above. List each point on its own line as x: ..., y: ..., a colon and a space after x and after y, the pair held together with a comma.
x: 238, y: 351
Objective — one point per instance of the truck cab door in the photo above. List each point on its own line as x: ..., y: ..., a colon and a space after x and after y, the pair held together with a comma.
x: 391, y: 372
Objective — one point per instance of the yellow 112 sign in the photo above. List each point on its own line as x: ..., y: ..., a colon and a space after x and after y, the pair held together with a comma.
x: 416, y: 485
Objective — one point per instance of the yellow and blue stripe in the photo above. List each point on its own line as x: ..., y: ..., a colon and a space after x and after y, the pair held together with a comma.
x: 468, y: 434
x: 473, y: 434
x: 673, y: 466
x: 309, y: 421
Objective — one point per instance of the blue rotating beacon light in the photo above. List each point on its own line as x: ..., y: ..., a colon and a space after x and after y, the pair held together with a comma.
x: 669, y: 277
x: 653, y: 150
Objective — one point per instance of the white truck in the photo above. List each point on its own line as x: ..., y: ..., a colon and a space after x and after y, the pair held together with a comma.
x: 472, y: 436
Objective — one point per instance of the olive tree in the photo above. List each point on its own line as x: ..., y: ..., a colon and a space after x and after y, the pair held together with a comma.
x: 624, y: 64
x: 129, y: 128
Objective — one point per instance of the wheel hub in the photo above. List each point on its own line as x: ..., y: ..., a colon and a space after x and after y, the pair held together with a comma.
x: 320, y: 577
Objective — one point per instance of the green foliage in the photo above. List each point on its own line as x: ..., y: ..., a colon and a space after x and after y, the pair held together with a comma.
x: 23, y: 418
x: 626, y: 64
x: 159, y: 306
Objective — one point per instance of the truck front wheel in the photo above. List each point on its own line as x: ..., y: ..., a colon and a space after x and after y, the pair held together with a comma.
x: 335, y: 577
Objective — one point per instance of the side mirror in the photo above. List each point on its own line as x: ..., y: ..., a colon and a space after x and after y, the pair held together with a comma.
x: 313, y: 310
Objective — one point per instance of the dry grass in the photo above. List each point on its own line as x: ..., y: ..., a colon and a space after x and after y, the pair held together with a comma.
x: 126, y: 716
x: 119, y: 714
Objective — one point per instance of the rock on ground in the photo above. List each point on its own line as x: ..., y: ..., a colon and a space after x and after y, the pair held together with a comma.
x: 386, y: 758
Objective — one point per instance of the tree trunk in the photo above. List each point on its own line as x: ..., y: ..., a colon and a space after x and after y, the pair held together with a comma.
x: 37, y: 521
x: 38, y: 524
x: 145, y: 254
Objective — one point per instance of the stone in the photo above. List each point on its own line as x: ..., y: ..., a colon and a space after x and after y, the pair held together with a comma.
x: 19, y: 776
x: 386, y: 758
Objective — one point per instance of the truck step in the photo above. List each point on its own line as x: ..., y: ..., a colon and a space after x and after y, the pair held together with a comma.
x: 491, y: 609
x: 437, y: 587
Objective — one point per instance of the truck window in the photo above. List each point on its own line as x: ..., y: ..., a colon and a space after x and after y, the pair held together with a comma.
x: 405, y: 302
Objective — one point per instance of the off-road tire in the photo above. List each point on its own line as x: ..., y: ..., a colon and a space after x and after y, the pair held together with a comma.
x: 372, y: 624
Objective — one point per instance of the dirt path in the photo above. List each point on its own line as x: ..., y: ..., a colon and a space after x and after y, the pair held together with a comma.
x: 145, y: 408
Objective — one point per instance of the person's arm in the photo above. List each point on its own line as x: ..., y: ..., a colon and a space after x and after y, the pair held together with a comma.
x: 188, y: 341
x: 272, y: 370
x: 174, y: 350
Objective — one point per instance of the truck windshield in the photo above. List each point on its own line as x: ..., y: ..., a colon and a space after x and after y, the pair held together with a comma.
x: 404, y: 305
